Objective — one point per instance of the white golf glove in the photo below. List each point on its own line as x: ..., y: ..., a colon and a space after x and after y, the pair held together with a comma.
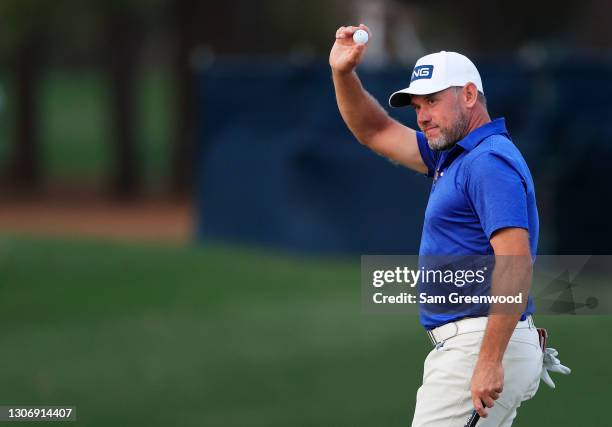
x: 552, y: 364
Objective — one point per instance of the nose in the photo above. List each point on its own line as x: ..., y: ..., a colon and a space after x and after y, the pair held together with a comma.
x: 423, y: 117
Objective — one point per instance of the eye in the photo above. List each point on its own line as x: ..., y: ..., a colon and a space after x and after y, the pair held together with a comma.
x: 431, y: 101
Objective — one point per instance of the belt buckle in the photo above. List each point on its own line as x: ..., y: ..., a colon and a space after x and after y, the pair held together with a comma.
x: 432, y: 338
x: 441, y: 342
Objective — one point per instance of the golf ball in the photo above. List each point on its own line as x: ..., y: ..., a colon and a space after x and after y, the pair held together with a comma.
x: 360, y: 37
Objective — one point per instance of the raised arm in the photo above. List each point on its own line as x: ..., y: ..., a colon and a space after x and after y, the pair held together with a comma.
x: 364, y: 116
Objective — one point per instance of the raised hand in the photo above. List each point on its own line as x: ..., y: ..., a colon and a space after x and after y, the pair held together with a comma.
x: 345, y: 54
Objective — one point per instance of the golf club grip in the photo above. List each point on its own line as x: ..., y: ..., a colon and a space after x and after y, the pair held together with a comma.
x: 471, y: 422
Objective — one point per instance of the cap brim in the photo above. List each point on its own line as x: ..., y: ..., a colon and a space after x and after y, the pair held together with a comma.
x: 401, y: 98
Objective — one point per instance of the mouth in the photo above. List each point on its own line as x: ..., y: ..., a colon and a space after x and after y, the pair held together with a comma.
x: 429, y: 129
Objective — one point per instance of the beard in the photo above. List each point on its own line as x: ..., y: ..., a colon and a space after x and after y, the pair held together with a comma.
x: 450, y: 135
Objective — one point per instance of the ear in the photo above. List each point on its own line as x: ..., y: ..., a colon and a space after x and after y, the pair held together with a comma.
x: 470, y: 94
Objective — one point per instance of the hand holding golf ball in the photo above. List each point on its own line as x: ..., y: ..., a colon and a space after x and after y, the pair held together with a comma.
x: 349, y: 48
x: 360, y: 36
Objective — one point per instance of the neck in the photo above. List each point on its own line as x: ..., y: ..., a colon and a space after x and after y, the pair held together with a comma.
x: 477, y: 120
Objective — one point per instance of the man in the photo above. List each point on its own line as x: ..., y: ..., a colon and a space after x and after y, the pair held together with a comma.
x: 482, y: 202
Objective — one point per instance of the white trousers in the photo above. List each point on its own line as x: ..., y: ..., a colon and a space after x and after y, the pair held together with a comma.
x: 444, y: 399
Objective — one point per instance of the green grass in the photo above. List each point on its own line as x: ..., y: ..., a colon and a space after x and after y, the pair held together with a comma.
x: 154, y: 336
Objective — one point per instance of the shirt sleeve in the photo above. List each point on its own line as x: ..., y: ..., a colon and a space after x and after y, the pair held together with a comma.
x: 497, y: 193
x: 427, y: 154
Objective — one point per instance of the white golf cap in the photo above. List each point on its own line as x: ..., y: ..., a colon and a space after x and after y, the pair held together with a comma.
x: 435, y: 72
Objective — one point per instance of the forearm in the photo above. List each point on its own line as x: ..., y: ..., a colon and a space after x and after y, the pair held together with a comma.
x: 362, y: 113
x: 364, y: 116
x: 488, y: 377
x: 497, y: 334
x: 511, y: 278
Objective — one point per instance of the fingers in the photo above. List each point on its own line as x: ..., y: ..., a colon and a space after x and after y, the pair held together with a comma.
x: 348, y: 31
x: 552, y: 363
x: 551, y: 351
x: 359, y: 48
x: 545, y: 376
x: 550, y: 356
x: 561, y: 369
x: 345, y: 32
x: 486, y: 386
x: 365, y: 27
x: 479, y: 407
x: 488, y: 402
x: 483, y: 400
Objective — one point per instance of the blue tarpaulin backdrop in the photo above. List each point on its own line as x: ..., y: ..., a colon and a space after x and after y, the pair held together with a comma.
x: 277, y: 165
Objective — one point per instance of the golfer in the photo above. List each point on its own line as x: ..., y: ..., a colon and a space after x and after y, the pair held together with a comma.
x: 482, y: 202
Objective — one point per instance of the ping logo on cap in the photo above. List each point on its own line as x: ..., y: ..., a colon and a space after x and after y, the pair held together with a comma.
x: 422, y: 72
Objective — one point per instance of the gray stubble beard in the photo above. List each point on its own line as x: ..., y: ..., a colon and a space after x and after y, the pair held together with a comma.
x: 449, y: 136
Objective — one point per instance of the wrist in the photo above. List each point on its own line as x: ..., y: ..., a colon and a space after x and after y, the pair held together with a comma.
x: 337, y: 73
x: 490, y: 358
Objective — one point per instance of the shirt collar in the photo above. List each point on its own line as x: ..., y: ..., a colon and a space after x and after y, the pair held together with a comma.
x: 475, y: 137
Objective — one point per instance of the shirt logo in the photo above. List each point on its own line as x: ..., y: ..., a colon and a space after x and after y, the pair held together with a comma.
x: 422, y: 72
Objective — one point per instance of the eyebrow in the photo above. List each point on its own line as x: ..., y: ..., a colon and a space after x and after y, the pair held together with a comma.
x: 427, y: 98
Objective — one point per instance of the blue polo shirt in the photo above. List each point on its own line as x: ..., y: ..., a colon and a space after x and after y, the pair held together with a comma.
x: 480, y: 185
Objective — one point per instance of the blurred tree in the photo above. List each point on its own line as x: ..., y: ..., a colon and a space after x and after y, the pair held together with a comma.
x: 23, y: 47
x: 183, y: 165
x: 34, y: 30
x: 123, y: 42
x: 26, y: 163
x: 112, y: 26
